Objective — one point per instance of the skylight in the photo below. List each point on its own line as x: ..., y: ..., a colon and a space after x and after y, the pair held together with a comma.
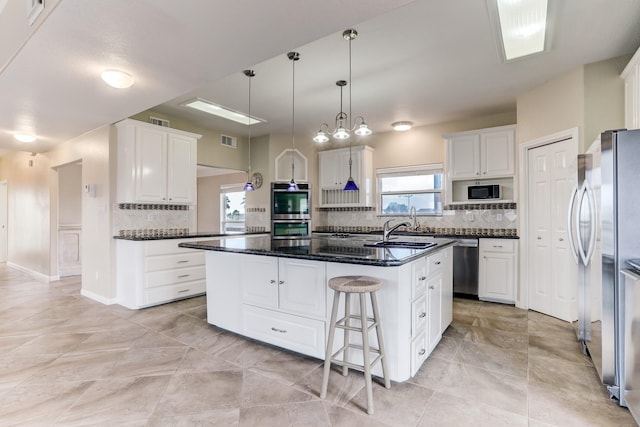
x: 523, y: 27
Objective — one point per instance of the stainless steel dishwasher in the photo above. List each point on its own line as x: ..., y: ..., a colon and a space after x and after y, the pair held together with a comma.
x: 465, y: 268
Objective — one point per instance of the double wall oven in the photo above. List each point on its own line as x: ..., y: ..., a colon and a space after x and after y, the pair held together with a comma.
x: 290, y: 211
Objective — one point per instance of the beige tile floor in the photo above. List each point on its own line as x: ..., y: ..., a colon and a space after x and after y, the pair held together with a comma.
x: 66, y: 360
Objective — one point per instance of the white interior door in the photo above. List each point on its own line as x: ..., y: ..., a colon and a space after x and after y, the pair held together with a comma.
x: 4, y: 239
x: 552, y: 271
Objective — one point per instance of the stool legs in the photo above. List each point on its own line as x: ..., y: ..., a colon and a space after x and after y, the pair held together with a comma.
x: 383, y: 360
x: 328, y: 353
x: 347, y: 319
x: 365, y: 351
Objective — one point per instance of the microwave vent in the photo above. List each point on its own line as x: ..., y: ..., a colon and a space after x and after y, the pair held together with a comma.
x: 158, y: 122
x: 229, y: 141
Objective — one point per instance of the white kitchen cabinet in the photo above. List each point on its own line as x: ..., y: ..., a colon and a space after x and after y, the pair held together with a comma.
x: 333, y: 166
x: 481, y: 154
x: 155, y: 164
x: 631, y: 76
x: 157, y: 271
x: 497, y: 270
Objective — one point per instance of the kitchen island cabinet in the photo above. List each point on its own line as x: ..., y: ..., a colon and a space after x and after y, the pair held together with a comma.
x: 282, y: 298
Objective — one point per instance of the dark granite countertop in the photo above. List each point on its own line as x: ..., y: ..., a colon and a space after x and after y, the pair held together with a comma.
x: 185, y: 236
x: 321, y: 248
x: 422, y: 234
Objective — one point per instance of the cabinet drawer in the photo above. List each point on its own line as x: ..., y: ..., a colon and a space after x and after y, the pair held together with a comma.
x: 497, y: 245
x: 170, y: 277
x: 295, y: 333
x: 418, y: 315
x: 166, y: 262
x: 167, y: 247
x: 173, y: 292
x: 418, y: 352
x: 435, y: 263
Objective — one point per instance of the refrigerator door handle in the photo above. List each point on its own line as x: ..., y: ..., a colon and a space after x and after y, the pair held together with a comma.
x: 581, y: 249
x: 592, y: 214
x: 572, y: 243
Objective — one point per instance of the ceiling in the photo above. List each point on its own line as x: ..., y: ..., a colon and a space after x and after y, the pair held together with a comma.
x: 425, y: 61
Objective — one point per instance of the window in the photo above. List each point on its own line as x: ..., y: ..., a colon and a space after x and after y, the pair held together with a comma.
x: 400, y: 189
x: 232, y: 198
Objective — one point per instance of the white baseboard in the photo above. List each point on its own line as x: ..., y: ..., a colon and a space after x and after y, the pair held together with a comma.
x: 99, y: 298
x: 36, y: 275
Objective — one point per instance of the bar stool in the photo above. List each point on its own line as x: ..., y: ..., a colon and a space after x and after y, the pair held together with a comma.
x: 361, y: 285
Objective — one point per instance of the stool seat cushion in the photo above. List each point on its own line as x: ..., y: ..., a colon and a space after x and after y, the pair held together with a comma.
x: 354, y: 284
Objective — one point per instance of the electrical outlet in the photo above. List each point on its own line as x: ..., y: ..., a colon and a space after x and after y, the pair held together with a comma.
x: 470, y: 217
x: 150, y: 217
x: 499, y: 217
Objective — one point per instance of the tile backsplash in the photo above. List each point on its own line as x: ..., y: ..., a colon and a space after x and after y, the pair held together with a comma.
x: 143, y: 217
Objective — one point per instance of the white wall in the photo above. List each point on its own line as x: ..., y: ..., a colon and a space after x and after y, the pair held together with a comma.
x: 70, y: 194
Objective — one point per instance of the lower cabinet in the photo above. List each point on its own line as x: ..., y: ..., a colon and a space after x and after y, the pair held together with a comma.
x: 157, y: 271
x: 286, y: 302
x: 497, y: 270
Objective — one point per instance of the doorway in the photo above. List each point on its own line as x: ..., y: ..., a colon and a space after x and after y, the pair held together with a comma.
x: 549, y: 273
x: 69, y: 219
x: 4, y: 235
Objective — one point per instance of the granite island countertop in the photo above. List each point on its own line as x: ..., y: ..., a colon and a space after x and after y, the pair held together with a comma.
x: 350, y: 250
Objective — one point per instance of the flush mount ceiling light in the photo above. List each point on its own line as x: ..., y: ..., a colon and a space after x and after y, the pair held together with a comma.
x: 401, y: 126
x: 24, y: 137
x: 521, y: 27
x: 220, y: 111
x: 343, y: 124
x: 117, y: 79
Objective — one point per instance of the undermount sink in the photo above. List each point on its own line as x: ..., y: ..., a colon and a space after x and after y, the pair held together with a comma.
x: 401, y: 244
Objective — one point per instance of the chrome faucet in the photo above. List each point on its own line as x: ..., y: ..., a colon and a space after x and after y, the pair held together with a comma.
x: 414, y: 217
x: 386, y: 231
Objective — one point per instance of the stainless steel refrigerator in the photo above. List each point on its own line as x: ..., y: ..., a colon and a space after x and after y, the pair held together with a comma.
x: 604, y: 232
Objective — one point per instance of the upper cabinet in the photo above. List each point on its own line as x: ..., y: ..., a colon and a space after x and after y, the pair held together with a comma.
x: 631, y: 76
x: 333, y: 173
x: 479, y: 157
x: 481, y: 154
x: 156, y: 164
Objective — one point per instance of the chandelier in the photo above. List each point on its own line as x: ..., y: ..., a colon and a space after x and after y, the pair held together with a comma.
x: 344, y: 124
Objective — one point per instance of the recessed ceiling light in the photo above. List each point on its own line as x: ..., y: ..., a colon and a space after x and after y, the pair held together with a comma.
x: 117, y: 79
x: 24, y: 137
x: 220, y: 111
x: 523, y: 27
x: 402, y: 126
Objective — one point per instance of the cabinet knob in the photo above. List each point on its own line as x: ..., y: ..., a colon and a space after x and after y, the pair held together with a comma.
x: 437, y: 262
x: 477, y: 173
x: 561, y: 239
x: 422, y: 315
x: 281, y: 282
x: 422, y: 278
x: 539, y: 238
x: 421, y: 352
x: 484, y: 173
x: 272, y: 281
x: 432, y: 287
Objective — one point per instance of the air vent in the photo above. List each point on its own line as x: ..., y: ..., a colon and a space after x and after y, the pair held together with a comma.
x: 229, y: 141
x: 159, y: 122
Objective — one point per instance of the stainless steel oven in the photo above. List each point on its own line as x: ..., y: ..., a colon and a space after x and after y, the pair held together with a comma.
x: 290, y: 211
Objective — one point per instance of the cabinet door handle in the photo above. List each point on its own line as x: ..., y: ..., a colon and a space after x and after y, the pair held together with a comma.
x: 561, y: 239
x: 182, y: 276
x: 539, y: 238
x: 422, y: 278
x: 432, y: 287
x: 272, y: 281
x: 422, y: 352
x: 281, y: 282
x: 282, y: 331
x: 183, y: 291
x: 438, y: 262
x: 422, y: 315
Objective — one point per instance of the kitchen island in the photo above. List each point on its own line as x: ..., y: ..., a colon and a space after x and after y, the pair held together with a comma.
x: 276, y: 291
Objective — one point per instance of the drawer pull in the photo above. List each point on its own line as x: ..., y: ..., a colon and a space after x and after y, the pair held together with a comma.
x: 183, y: 291
x: 182, y: 276
x: 497, y: 246
x: 422, y: 315
x: 282, y: 331
x: 182, y: 261
x: 422, y: 352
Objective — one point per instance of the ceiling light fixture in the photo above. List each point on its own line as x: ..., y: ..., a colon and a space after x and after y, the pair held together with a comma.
x: 220, y: 111
x: 249, y: 185
x: 523, y: 27
x: 343, y: 124
x: 117, y: 79
x: 24, y: 137
x: 293, y: 56
x: 402, y: 126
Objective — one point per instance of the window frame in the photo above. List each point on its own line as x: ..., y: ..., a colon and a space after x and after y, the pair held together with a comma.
x: 427, y: 169
x: 230, y: 188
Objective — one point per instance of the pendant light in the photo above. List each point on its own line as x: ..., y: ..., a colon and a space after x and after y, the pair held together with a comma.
x: 344, y: 123
x: 293, y: 56
x: 249, y: 185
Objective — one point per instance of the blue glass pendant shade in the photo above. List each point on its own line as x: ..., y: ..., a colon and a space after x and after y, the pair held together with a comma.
x: 248, y: 186
x: 293, y: 186
x: 351, y: 185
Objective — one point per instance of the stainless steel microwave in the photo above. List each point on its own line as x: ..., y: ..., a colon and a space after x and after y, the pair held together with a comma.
x: 483, y: 192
